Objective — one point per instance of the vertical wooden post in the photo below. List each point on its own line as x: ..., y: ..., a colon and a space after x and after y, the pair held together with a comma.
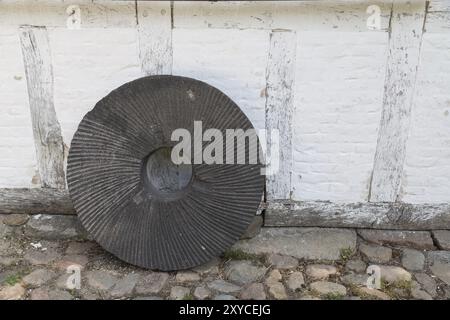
x: 279, y: 109
x: 405, y: 40
x: 46, y: 129
x: 154, y: 20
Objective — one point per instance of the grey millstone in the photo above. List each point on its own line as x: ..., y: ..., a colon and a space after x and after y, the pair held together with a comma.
x: 55, y: 227
x: 101, y: 280
x: 125, y: 286
x: 440, y: 264
x: 223, y: 286
x: 414, y: 239
x: 254, y: 291
x: 325, y: 287
x: 301, y: 243
x: 427, y: 282
x: 442, y: 238
x: 152, y: 283
x: 295, y: 281
x: 375, y: 253
x: 224, y: 297
x: 358, y: 266
x: 353, y: 279
x: 15, y: 219
x: 394, y: 274
x: 243, y: 272
x: 282, y: 262
x: 413, y: 260
x: 202, y: 293
x: 254, y: 228
x: 179, y: 293
x: 277, y: 290
x: 38, y: 277
x: 187, y: 276
x: 320, y: 271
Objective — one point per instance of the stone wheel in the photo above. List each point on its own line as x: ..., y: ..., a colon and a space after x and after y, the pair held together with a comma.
x: 139, y: 205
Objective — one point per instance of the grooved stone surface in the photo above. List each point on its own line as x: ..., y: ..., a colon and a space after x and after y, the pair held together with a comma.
x: 302, y: 243
x: 150, y: 219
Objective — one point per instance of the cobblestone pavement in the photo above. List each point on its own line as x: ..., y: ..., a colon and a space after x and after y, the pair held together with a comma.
x: 277, y: 263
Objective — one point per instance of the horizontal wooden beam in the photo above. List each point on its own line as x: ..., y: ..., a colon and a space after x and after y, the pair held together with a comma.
x: 35, y: 201
x: 286, y: 213
x: 279, y: 213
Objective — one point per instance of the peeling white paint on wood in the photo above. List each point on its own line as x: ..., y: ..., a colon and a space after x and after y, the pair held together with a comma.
x: 280, y: 76
x: 53, y: 13
x: 403, y: 61
x: 155, y: 37
x: 298, y: 15
x: 46, y: 128
x: 358, y: 215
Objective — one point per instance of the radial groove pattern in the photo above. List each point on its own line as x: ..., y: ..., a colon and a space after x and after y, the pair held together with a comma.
x: 117, y: 202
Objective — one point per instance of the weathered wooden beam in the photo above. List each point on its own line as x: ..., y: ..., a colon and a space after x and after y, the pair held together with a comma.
x: 403, y: 60
x: 154, y: 19
x: 438, y: 17
x: 280, y: 76
x: 318, y: 15
x: 358, y: 215
x: 58, y: 13
x: 46, y: 129
x: 280, y: 213
x: 35, y: 201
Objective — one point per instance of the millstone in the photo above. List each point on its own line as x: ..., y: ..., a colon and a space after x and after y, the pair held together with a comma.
x: 138, y: 204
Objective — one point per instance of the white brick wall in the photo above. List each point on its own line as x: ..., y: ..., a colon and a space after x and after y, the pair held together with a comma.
x: 338, y: 99
x: 338, y: 91
x: 233, y: 61
x: 427, y: 169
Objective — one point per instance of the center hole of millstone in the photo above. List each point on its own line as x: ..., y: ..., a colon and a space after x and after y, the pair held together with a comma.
x: 163, y: 175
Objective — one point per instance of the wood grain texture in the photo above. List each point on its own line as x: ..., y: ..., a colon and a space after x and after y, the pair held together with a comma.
x: 280, y: 76
x: 35, y: 201
x: 402, y: 64
x: 281, y: 213
x: 155, y: 36
x: 54, y: 13
x: 297, y: 15
x: 358, y: 215
x: 46, y: 129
